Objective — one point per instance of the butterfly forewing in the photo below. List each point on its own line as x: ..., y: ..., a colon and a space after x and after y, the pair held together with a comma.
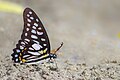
x: 34, y: 30
x: 34, y: 43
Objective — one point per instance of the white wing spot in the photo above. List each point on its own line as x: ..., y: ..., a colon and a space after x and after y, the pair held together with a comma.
x: 31, y: 48
x: 28, y: 24
x: 37, y: 20
x: 25, y: 56
x: 27, y: 40
x: 34, y: 37
x: 34, y: 27
x: 36, y: 41
x: 21, y: 47
x: 39, y: 33
x: 27, y: 29
x: 44, y: 44
x: 39, y: 28
x: 30, y: 12
x: 16, y: 55
x: 36, y: 24
x: 17, y: 50
x: 28, y: 15
x: 36, y: 46
x: 31, y: 18
x: 34, y: 53
x: 42, y: 39
x: 25, y: 34
x: 23, y: 43
x: 28, y: 20
x: 16, y: 60
x: 33, y: 31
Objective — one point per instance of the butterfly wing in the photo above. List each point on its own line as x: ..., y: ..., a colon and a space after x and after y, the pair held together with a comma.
x: 34, y: 30
x: 34, y: 43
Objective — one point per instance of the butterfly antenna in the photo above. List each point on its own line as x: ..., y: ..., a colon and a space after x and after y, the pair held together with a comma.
x: 58, y: 48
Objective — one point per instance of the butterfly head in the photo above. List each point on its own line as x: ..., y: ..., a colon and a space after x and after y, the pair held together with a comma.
x: 53, y: 55
x: 53, y: 52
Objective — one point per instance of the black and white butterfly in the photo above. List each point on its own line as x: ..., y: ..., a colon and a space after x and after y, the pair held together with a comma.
x: 34, y: 45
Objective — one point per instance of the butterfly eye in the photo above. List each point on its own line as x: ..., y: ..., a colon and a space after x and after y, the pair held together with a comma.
x: 53, y: 55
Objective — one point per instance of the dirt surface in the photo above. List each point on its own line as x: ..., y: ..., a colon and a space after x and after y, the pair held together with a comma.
x: 89, y: 30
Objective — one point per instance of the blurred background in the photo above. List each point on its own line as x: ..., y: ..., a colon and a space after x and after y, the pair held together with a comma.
x: 89, y: 28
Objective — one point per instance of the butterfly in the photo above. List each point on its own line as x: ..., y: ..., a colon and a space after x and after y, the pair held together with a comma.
x: 34, y: 45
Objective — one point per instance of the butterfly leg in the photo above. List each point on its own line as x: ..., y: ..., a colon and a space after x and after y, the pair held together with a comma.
x: 53, y: 64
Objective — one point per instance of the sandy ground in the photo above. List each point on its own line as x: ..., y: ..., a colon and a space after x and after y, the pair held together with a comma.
x: 88, y: 29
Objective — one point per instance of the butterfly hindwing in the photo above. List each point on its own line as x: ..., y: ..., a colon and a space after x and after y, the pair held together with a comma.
x: 34, y: 44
